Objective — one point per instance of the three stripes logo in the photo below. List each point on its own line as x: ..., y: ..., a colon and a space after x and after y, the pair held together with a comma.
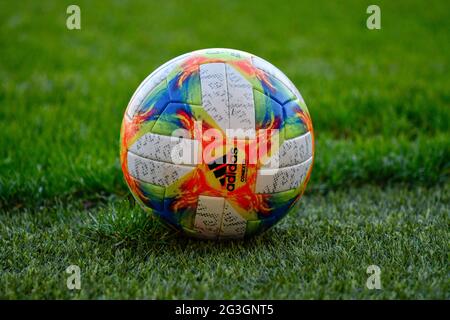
x: 225, y: 172
x: 219, y: 169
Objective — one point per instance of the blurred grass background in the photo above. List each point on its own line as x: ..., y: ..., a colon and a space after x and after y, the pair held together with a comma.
x: 379, y: 101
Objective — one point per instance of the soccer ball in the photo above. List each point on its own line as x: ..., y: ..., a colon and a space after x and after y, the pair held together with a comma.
x: 218, y: 144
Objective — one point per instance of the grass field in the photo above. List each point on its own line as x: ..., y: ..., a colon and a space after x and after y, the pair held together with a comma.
x: 379, y: 193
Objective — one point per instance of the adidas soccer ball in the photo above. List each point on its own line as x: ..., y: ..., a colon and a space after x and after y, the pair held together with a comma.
x: 217, y: 143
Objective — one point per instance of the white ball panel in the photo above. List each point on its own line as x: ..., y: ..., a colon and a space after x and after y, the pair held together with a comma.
x: 240, y: 103
x: 282, y: 179
x: 161, y: 148
x: 233, y: 225
x: 209, y: 216
x: 292, y: 151
x: 213, y: 81
x: 155, y: 172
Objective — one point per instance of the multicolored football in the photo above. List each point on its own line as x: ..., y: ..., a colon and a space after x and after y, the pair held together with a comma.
x: 218, y: 144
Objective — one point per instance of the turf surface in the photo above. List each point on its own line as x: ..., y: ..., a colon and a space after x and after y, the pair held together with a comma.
x: 379, y: 101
